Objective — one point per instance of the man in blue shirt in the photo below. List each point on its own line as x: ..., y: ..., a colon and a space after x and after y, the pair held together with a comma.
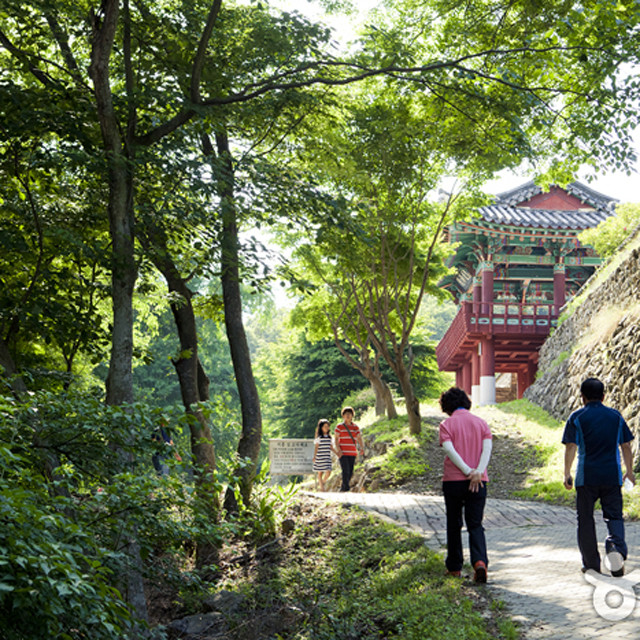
x: 598, y: 433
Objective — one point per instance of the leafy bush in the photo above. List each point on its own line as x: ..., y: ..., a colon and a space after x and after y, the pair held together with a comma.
x: 402, y: 462
x: 77, y: 485
x: 609, y: 234
x: 55, y: 580
x: 360, y: 400
x: 259, y: 520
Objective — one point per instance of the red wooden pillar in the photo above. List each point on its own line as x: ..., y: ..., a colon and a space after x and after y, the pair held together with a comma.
x: 486, y: 273
x: 523, y: 382
x: 526, y: 377
x: 487, y: 372
x: 477, y: 294
x: 466, y: 377
x: 559, y: 287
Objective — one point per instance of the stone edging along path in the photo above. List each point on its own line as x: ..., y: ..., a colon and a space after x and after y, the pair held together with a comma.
x: 534, y: 564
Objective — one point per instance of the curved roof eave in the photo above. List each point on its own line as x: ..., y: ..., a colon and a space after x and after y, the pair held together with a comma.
x: 543, y: 218
x: 581, y: 191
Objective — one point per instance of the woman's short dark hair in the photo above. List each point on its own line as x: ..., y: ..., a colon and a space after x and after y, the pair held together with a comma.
x: 454, y: 398
x: 321, y: 423
x: 592, y: 389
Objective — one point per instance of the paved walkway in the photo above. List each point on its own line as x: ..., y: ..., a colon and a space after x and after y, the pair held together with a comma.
x: 534, y: 564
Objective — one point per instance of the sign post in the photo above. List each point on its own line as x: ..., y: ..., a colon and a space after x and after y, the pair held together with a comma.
x: 290, y: 456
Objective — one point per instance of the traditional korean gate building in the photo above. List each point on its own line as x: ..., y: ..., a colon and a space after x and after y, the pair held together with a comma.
x: 518, y: 262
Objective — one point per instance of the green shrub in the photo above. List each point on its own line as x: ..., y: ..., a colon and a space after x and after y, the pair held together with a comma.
x: 609, y: 234
x: 259, y: 519
x: 55, y: 580
x: 76, y: 485
x: 403, y: 461
x: 360, y: 400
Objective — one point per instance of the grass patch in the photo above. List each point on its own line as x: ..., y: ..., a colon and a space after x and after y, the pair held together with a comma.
x: 543, y: 466
x: 544, y: 479
x: 553, y: 492
x: 385, y: 430
x: 532, y: 419
x: 404, y: 458
x: 401, y: 462
x: 354, y: 577
x: 631, y: 501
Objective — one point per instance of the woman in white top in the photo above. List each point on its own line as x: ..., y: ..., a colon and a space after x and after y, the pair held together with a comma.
x: 322, y: 452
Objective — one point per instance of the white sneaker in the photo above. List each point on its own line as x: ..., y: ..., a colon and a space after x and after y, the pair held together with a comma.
x: 615, y: 563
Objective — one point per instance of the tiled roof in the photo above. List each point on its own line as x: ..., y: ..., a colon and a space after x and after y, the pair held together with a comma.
x: 586, y: 194
x: 543, y: 218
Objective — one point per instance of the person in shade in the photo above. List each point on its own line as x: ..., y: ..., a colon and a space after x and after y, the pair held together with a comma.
x: 164, y: 447
x: 348, y: 441
x: 467, y: 443
x: 598, y: 433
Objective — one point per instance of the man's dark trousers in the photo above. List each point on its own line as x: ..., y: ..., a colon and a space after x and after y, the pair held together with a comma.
x: 611, y: 503
x: 457, y: 498
x: 346, y: 464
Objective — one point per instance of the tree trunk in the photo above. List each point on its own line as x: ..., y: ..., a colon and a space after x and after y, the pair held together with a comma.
x: 370, y: 370
x: 379, y: 399
x: 120, y: 211
x: 194, y: 383
x: 410, y: 400
x: 249, y: 445
x: 384, y: 399
x: 119, y: 387
x: 9, y: 371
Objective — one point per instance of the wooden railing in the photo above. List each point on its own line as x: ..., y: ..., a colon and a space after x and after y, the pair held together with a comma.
x: 477, y: 319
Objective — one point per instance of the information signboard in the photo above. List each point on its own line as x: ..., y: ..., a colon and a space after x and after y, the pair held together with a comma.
x: 290, y: 456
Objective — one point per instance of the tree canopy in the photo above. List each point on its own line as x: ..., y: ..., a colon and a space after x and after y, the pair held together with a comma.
x: 139, y: 139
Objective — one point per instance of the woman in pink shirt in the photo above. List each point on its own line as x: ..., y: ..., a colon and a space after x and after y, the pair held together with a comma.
x: 466, y: 440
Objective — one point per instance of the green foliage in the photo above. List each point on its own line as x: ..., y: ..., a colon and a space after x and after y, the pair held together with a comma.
x: 609, y: 234
x: 156, y: 381
x: 552, y: 491
x: 402, y: 462
x: 360, y: 400
x: 529, y: 411
x: 436, y: 317
x: 364, y: 579
x: 55, y: 580
x: 259, y: 520
x: 427, y: 380
x: 77, y: 484
x: 314, y: 380
x: 53, y: 259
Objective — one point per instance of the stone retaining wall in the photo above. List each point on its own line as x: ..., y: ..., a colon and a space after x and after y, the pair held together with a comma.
x: 600, y: 339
